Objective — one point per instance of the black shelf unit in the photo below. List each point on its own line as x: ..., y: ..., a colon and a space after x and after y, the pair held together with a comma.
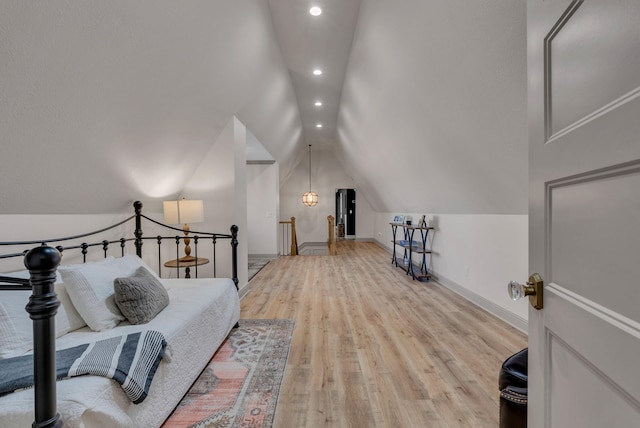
x: 411, y: 247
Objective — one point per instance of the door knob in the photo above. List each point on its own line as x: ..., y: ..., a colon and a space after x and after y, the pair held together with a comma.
x: 533, y: 288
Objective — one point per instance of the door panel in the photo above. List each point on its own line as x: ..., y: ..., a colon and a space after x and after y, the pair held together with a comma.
x: 584, y: 212
x: 598, y: 390
x: 594, y: 333
x: 594, y: 235
x: 578, y: 85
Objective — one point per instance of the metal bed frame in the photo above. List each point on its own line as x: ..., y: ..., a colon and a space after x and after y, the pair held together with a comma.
x: 42, y: 262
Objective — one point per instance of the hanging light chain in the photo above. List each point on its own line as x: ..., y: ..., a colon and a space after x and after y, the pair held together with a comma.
x: 309, y: 167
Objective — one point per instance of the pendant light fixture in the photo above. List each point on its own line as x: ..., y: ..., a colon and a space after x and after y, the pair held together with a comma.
x: 310, y: 198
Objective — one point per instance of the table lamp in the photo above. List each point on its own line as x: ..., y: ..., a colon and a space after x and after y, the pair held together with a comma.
x: 183, y: 212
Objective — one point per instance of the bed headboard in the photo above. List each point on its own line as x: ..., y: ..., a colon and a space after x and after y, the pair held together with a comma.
x: 42, y: 261
x: 135, y: 237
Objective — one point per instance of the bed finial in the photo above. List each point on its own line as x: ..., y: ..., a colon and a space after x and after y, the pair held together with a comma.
x: 42, y: 258
x: 42, y: 263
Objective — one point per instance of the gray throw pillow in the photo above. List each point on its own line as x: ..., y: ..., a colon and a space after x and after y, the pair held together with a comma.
x: 140, y: 297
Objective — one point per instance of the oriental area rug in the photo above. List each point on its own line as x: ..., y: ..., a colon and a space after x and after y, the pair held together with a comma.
x: 240, y: 385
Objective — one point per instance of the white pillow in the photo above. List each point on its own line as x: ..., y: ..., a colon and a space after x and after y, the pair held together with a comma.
x: 73, y: 317
x: 74, y: 321
x: 12, y: 343
x: 135, y: 262
x: 16, y: 328
x: 90, y: 287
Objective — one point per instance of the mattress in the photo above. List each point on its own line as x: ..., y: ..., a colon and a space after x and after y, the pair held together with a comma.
x: 200, y: 315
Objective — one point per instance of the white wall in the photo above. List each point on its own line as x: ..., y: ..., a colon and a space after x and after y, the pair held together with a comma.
x: 219, y: 179
x: 240, y: 192
x: 107, y: 102
x: 433, y: 111
x: 365, y: 217
x: 221, y: 182
x: 28, y: 227
x: 262, y: 209
x: 475, y: 255
x: 327, y: 175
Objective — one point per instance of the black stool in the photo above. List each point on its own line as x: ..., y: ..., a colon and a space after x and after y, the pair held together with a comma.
x: 513, y: 391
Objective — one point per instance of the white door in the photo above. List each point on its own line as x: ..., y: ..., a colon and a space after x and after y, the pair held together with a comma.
x: 584, y: 146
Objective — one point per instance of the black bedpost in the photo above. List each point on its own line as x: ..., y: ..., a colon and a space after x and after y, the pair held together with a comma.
x: 234, y: 254
x: 137, y: 205
x: 42, y: 307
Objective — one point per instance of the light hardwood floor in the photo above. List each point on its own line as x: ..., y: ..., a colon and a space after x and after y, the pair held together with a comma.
x: 372, y: 348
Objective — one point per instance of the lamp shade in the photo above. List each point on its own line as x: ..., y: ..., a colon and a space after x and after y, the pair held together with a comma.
x: 310, y: 199
x: 183, y: 211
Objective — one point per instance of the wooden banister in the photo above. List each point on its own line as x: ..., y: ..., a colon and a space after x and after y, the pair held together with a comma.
x: 294, y: 240
x: 331, y: 242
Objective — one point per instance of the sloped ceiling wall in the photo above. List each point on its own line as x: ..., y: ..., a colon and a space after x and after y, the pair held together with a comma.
x: 103, y: 103
x: 433, y: 110
x: 107, y: 102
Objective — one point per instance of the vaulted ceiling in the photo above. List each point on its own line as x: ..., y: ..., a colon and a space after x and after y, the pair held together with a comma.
x: 424, y: 102
x: 309, y: 43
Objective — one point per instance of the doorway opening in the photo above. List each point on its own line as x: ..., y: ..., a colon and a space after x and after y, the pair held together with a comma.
x: 346, y: 213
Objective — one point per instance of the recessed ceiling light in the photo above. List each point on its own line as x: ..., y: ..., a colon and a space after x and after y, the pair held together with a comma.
x: 317, y: 72
x: 318, y: 125
x: 318, y: 103
x: 315, y: 11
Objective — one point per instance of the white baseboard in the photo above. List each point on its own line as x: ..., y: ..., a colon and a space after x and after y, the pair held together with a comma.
x: 312, y: 244
x: 244, y: 290
x: 496, y: 310
x: 486, y: 304
x: 263, y: 256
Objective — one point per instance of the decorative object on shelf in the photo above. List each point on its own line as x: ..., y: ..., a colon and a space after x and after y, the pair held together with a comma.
x: 407, y: 244
x: 398, y: 219
x: 423, y: 221
x: 408, y: 219
x: 183, y: 212
x: 310, y: 198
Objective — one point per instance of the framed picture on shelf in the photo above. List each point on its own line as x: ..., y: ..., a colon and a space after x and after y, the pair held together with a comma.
x: 398, y: 219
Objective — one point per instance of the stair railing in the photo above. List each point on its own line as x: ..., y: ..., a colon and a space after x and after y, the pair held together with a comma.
x: 289, y: 239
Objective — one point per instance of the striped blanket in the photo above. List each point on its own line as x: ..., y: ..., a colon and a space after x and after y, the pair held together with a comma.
x: 130, y: 360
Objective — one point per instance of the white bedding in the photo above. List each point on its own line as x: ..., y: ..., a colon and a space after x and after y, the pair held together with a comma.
x: 200, y: 315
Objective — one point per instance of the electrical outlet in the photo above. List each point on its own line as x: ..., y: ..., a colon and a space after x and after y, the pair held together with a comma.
x: 379, y: 234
